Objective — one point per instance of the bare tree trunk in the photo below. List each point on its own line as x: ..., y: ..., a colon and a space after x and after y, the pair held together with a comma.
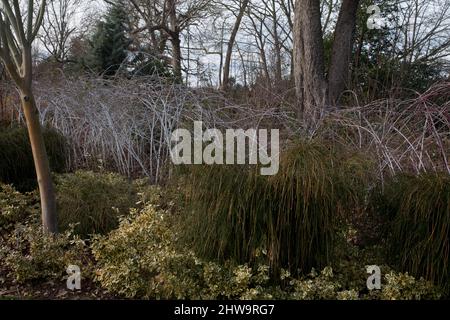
x: 237, y: 24
x: 277, y: 46
x: 311, y: 87
x: 15, y: 52
x: 175, y: 40
x: 292, y: 68
x: 265, y: 66
x: 244, y: 68
x: 176, y: 56
x: 221, y: 55
x: 338, y: 75
x: 47, y: 194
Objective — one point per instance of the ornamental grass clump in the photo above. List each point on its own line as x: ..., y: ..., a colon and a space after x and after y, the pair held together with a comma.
x: 418, y: 213
x: 232, y: 211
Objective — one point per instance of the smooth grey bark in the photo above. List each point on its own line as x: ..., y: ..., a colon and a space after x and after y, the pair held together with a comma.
x: 15, y: 52
x: 227, y: 64
x: 277, y: 44
x: 339, y: 71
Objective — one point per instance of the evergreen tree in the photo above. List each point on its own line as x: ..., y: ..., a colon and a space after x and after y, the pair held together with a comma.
x: 110, y: 42
x: 144, y: 63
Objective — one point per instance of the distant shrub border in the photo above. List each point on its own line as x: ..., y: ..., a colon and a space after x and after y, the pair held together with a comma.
x: 16, y: 159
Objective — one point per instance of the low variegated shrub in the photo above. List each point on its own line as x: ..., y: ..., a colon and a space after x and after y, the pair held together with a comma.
x: 140, y: 260
x: 31, y: 255
x: 144, y: 258
x: 15, y: 207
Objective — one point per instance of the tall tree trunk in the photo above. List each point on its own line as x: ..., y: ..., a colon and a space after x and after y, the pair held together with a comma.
x: 292, y: 68
x: 265, y: 66
x: 277, y: 45
x: 338, y: 75
x: 176, y: 57
x: 311, y: 87
x: 15, y: 53
x: 47, y: 194
x: 227, y: 64
x: 175, y: 40
x: 244, y: 68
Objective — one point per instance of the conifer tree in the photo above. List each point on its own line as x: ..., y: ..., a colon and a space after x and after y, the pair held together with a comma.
x: 109, y: 44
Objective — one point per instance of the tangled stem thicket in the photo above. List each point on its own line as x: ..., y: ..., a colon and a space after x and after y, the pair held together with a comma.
x: 126, y: 125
